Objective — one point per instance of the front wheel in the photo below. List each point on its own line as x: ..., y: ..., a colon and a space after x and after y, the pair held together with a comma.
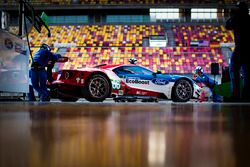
x: 182, y: 91
x: 97, y: 88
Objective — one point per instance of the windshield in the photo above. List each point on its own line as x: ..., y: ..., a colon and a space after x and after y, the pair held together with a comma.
x: 133, y: 70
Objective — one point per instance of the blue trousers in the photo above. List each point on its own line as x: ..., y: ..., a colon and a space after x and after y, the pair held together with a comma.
x: 31, y: 94
x: 238, y: 66
x: 39, y: 83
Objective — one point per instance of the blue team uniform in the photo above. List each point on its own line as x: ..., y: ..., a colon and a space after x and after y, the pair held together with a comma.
x: 38, y: 73
x: 205, y: 79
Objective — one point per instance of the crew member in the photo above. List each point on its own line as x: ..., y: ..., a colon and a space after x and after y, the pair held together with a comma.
x: 202, y: 78
x: 239, y: 23
x: 38, y: 71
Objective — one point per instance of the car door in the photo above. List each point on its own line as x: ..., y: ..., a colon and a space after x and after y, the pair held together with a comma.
x: 142, y: 78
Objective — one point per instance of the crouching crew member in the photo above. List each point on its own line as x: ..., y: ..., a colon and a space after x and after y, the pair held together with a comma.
x: 201, y: 77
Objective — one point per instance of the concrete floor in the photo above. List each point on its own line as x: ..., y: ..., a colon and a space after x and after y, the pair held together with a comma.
x: 164, y: 134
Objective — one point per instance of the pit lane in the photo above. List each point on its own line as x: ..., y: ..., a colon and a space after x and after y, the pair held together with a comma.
x: 124, y: 134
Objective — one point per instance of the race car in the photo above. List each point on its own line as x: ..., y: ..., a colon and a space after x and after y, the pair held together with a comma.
x: 143, y: 82
x: 104, y: 81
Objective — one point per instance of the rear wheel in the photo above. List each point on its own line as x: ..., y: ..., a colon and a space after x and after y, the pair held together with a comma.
x: 97, y: 89
x: 182, y: 91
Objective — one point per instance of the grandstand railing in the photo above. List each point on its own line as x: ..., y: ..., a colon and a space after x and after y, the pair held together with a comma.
x: 120, y: 4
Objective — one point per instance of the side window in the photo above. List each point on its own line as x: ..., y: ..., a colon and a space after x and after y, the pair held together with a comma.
x: 140, y: 70
x: 123, y: 71
x: 132, y: 70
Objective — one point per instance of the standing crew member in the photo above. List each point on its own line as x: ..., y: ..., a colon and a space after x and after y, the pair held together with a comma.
x: 239, y: 23
x: 38, y: 72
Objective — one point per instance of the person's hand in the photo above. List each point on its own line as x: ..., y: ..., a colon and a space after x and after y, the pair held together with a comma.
x: 50, y: 62
x: 195, y: 76
x: 62, y: 59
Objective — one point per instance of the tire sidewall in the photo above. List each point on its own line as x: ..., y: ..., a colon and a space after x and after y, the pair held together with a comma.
x: 87, y: 92
x: 175, y: 96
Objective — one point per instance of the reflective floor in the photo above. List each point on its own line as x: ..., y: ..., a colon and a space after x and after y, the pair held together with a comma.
x: 124, y: 135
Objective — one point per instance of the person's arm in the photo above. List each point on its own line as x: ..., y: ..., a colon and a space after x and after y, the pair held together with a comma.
x: 198, y: 79
x: 210, y: 82
x: 231, y: 23
x: 53, y: 56
x: 56, y: 57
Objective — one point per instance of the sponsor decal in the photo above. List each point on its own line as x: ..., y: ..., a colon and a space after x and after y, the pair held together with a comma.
x: 158, y: 81
x: 19, y: 48
x: 79, y: 80
x: 116, y: 84
x: 120, y: 92
x: 138, y: 92
x: 8, y: 43
x: 66, y: 75
x: 173, y: 79
x: 137, y: 81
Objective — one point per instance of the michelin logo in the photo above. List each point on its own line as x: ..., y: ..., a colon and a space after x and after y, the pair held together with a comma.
x: 137, y: 81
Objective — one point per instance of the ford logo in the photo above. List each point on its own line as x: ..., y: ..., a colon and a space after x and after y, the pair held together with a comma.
x: 158, y: 81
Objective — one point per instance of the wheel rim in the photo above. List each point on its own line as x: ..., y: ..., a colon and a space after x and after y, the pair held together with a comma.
x: 98, y: 87
x: 184, y: 90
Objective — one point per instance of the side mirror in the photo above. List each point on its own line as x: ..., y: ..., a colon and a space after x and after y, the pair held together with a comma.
x: 158, y: 72
x: 62, y: 60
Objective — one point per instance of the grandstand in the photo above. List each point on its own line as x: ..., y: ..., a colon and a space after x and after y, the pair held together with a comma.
x: 90, y: 50
x: 114, y: 36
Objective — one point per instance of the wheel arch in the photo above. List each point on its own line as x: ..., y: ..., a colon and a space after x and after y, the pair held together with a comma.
x: 100, y: 73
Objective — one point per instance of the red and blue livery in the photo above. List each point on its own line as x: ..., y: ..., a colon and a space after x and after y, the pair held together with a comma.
x: 106, y: 81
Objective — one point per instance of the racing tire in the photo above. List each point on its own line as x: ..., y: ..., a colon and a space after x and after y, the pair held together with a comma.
x: 182, y: 91
x: 97, y: 89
